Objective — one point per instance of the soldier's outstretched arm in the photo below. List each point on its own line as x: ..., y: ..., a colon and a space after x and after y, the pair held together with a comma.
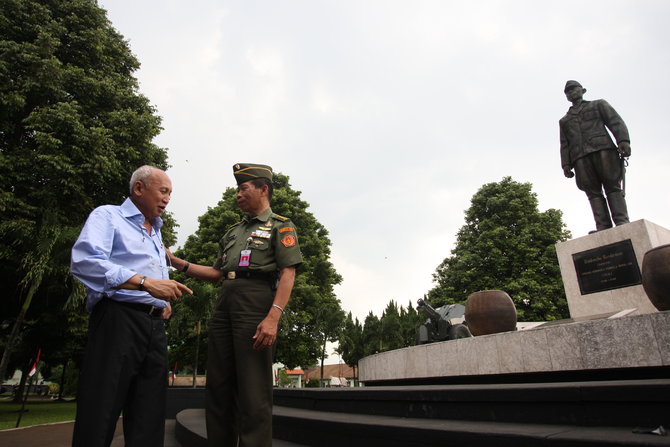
x: 201, y: 272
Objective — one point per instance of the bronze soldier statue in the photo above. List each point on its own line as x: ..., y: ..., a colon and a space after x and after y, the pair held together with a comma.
x: 599, y: 164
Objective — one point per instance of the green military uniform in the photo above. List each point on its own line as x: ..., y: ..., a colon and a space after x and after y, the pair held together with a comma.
x: 239, y: 378
x: 273, y: 245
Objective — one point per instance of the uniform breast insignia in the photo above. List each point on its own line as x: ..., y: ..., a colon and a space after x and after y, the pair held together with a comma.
x: 261, y: 234
x: 281, y: 218
x: 259, y: 242
x: 285, y: 229
x: 288, y: 240
x: 265, y: 228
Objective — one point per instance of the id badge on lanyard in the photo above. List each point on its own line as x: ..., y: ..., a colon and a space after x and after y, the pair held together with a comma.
x: 245, y: 255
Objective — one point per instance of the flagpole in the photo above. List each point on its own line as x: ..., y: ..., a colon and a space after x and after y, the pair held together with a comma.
x: 31, y: 373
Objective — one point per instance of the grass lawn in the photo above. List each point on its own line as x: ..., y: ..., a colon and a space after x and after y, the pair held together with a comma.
x: 42, y: 411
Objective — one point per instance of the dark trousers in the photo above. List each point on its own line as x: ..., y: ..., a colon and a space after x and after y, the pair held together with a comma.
x: 125, y: 369
x: 600, y: 171
x: 239, y: 378
x: 597, y: 171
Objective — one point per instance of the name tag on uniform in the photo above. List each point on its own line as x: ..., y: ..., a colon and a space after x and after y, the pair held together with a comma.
x: 245, y: 258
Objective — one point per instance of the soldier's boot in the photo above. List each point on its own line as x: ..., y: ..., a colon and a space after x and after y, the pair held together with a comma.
x: 618, y: 208
x: 601, y: 213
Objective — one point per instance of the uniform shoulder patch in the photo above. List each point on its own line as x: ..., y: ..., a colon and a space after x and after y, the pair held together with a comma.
x: 288, y: 241
x: 281, y: 218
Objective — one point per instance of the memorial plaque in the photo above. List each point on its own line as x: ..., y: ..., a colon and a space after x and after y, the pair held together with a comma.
x: 612, y: 266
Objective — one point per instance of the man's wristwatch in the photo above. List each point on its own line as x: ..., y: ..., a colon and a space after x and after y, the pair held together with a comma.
x: 141, y: 285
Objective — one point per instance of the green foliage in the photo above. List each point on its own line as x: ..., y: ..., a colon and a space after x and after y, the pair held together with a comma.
x: 283, y: 380
x: 395, y: 329
x: 72, y: 123
x: 506, y: 244
x: 187, y: 335
x: 53, y: 388
x: 314, y: 313
x: 54, y: 373
x: 169, y: 229
x: 411, y: 320
x: 351, y: 346
x: 73, y: 127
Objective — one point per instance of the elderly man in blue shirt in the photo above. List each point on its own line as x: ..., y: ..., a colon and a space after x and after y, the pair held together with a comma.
x: 120, y: 258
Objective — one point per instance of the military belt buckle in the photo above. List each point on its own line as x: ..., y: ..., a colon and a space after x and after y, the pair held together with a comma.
x: 231, y: 275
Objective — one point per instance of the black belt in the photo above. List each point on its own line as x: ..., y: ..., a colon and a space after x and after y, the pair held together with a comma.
x: 145, y: 308
x: 249, y: 274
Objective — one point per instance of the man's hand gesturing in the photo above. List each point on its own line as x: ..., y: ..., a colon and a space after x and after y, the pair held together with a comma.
x: 165, y: 289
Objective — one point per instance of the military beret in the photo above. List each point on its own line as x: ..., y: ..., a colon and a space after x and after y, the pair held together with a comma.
x: 570, y: 84
x: 244, y: 172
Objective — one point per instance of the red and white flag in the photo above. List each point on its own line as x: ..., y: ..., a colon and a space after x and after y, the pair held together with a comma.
x: 33, y: 370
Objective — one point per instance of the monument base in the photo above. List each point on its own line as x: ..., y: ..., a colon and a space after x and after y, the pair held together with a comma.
x: 601, y: 271
x: 629, y: 342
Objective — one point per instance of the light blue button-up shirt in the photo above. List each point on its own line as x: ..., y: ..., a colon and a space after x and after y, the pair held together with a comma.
x: 114, y: 246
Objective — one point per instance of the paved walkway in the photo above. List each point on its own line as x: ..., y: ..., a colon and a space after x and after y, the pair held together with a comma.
x: 60, y: 435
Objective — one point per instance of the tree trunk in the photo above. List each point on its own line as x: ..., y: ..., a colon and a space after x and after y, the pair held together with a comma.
x: 197, y: 353
x: 323, y: 357
x: 61, y: 385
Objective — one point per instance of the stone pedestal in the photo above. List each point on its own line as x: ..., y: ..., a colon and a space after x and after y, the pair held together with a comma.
x: 601, y: 271
x: 611, y: 343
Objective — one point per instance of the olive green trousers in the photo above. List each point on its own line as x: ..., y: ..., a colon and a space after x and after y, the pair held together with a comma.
x: 239, y: 378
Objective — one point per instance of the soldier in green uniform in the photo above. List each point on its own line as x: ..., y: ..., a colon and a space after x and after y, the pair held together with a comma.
x: 257, y: 262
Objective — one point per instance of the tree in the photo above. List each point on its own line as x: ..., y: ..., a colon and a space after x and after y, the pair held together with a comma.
x: 283, y: 380
x: 187, y: 340
x: 328, y: 324
x: 314, y: 311
x: 410, y: 320
x: 372, y: 335
x: 395, y: 329
x: 48, y: 259
x: 506, y: 244
x: 351, y: 342
x: 72, y: 129
x: 391, y: 327
x: 72, y: 123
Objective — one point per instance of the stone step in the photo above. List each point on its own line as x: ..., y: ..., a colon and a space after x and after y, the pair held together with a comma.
x: 190, y: 430
x: 328, y: 429
x: 296, y: 427
x: 615, y: 403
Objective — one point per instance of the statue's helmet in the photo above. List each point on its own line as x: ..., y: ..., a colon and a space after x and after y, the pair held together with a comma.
x: 570, y: 84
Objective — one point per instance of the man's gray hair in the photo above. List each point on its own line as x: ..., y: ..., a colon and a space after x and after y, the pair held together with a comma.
x: 141, y: 174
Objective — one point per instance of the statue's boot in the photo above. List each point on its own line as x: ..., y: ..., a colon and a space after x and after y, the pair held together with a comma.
x: 601, y: 213
x: 618, y: 208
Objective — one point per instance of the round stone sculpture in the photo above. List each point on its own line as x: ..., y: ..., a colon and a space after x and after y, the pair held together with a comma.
x: 656, y: 276
x: 490, y: 312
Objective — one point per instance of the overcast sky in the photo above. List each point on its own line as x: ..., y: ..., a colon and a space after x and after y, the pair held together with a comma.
x: 389, y: 115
